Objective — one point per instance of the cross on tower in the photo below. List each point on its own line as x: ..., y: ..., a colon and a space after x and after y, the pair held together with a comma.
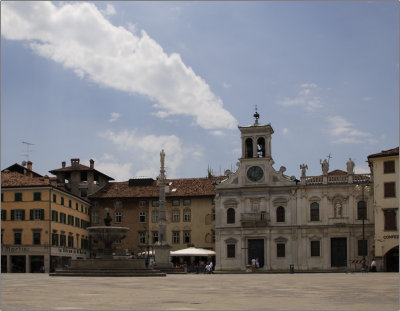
x: 256, y: 117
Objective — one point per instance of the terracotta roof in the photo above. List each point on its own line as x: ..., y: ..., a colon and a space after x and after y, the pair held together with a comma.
x: 15, y: 179
x: 385, y: 153
x: 182, y: 187
x: 80, y: 167
x: 21, y: 169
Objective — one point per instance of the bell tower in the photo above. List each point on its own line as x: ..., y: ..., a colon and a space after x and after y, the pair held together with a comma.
x: 256, y: 139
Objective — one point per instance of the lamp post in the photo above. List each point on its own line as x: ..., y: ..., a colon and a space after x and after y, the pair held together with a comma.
x: 362, y: 188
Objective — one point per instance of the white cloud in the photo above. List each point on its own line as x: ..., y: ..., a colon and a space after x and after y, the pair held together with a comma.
x: 110, y: 10
x: 305, y: 98
x: 285, y: 131
x: 120, y: 172
x: 218, y: 133
x: 114, y: 116
x: 148, y: 148
x: 226, y: 85
x: 344, y: 132
x: 367, y: 98
x: 78, y: 36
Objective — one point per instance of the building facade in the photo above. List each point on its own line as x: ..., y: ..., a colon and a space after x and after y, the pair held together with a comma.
x: 317, y: 223
x: 385, y: 171
x: 41, y: 225
x: 134, y: 204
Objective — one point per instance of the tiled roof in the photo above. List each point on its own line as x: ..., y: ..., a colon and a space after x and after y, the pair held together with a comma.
x: 21, y: 169
x: 182, y: 187
x: 15, y: 179
x: 80, y: 167
x: 385, y: 153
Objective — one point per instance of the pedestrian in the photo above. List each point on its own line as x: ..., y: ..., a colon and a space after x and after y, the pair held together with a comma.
x: 373, y: 265
x: 257, y: 263
x: 211, y: 266
x: 253, y: 264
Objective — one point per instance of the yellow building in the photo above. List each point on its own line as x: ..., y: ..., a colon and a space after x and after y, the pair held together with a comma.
x: 385, y: 171
x: 41, y: 224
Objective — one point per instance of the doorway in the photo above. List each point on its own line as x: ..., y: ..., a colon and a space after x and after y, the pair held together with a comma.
x: 256, y: 250
x: 392, y: 260
x: 338, y: 252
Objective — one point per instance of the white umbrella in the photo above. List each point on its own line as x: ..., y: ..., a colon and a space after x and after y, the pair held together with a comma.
x: 193, y: 251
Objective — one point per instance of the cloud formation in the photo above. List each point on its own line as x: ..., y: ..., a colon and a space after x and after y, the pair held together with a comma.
x: 305, y: 98
x: 344, y: 132
x: 79, y: 36
x: 114, y: 116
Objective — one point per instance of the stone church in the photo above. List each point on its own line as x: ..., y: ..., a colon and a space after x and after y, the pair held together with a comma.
x: 317, y: 223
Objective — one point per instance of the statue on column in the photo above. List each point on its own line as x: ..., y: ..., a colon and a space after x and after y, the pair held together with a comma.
x: 303, y: 168
x: 325, y: 166
x: 162, y: 158
x: 350, y: 166
x: 338, y: 210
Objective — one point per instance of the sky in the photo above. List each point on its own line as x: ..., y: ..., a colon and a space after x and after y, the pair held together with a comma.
x: 117, y: 82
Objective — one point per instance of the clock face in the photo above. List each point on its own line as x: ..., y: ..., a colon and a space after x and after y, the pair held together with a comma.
x: 255, y: 173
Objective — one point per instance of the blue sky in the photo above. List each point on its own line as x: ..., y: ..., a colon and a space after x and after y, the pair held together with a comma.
x: 119, y: 81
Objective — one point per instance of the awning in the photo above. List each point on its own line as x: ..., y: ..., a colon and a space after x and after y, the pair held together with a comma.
x: 193, y: 251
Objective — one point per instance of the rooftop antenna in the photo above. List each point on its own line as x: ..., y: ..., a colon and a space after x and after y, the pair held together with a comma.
x: 27, y: 151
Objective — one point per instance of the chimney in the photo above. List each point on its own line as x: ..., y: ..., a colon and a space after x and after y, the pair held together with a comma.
x: 29, y: 165
x: 46, y: 179
x: 63, y: 164
x: 91, y: 163
x: 75, y: 163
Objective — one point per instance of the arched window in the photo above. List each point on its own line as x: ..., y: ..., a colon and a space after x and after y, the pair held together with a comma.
x: 314, y: 211
x: 362, y: 210
x: 280, y: 214
x: 187, y: 214
x: 230, y: 216
x: 261, y: 147
x: 249, y: 148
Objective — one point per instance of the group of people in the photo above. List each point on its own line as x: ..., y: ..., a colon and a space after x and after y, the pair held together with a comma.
x: 255, y: 264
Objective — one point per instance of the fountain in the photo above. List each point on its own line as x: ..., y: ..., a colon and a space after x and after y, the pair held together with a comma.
x: 107, y: 265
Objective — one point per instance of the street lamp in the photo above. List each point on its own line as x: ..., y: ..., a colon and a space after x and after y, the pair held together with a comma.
x: 362, y: 211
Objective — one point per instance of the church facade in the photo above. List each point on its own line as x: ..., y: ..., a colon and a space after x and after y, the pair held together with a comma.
x: 317, y: 223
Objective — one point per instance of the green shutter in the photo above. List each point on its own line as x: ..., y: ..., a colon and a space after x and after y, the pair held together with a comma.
x: 23, y: 215
x: 42, y: 214
x: 31, y: 214
x: 3, y: 215
x: 12, y: 214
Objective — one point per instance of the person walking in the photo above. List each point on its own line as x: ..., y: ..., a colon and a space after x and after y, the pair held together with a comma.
x: 373, y: 265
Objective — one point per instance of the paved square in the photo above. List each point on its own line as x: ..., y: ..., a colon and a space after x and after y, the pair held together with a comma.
x: 325, y: 291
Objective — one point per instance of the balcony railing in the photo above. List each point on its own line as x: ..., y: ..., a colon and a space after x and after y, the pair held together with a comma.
x: 259, y: 219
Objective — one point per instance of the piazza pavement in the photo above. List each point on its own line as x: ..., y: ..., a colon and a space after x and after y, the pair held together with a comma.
x: 298, y: 291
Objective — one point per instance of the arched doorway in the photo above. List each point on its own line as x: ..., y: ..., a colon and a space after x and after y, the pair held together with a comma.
x: 392, y: 260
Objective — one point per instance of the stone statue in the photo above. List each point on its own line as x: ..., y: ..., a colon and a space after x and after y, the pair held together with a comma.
x: 350, y: 166
x: 162, y: 158
x: 303, y: 168
x: 325, y: 167
x: 338, y: 210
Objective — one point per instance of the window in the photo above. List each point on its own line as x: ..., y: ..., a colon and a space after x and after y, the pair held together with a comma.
x: 142, y: 216
x: 155, y: 237
x: 2, y: 197
x: 230, y: 250
x: 54, y: 239
x: 84, y: 176
x: 62, y: 201
x: 390, y: 190
x: 70, y: 220
x: 62, y: 218
x: 77, y: 222
x: 186, y: 237
x: 280, y: 250
x: 54, y: 216
x: 390, y: 220
x: 142, y: 237
x: 36, y: 214
x: 84, y: 193
x: 63, y: 241
x: 230, y: 215
x: 81, y: 208
x: 70, y: 241
x: 54, y: 198
x: 17, y: 196
x: 118, y: 204
x: 17, y: 214
x: 263, y: 215
x: 187, y: 202
x: 69, y: 203
x: 18, y: 238
x: 95, y: 217
x: 187, y: 215
x: 176, y: 202
x: 361, y: 210
x: 142, y: 204
x: 3, y: 214
x: 154, y: 216
x: 118, y: 217
x: 315, y: 248
x: 155, y: 203
x: 175, y: 237
x: 280, y: 214
x: 76, y: 206
x: 314, y: 211
x: 36, y: 238
x: 213, y: 214
x: 37, y: 196
x: 176, y: 215
x: 388, y: 167
x: 362, y: 248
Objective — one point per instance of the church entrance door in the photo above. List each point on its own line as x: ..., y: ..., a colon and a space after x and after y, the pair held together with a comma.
x: 338, y: 252
x: 256, y: 250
